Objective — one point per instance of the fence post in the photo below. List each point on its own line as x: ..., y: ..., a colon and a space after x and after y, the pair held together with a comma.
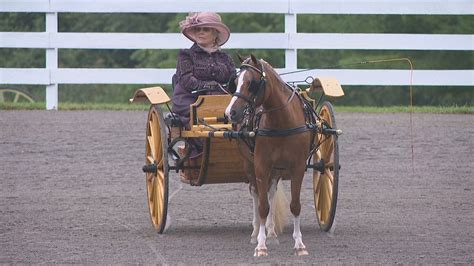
x: 290, y: 53
x: 51, y: 62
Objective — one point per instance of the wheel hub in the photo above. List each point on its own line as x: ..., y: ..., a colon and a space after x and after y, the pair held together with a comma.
x: 150, y: 168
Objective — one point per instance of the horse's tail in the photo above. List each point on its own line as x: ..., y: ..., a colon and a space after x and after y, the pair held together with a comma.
x: 282, y: 208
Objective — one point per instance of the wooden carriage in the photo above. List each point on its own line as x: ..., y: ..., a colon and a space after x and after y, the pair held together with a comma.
x: 221, y: 161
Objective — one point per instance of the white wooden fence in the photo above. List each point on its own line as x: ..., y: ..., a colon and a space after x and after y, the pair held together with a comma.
x: 290, y: 40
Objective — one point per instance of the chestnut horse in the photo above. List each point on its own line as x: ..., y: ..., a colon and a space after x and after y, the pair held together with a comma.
x: 265, y: 104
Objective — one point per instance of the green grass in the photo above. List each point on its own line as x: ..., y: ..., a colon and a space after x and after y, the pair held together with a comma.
x: 144, y: 107
x: 76, y: 106
x: 406, y: 109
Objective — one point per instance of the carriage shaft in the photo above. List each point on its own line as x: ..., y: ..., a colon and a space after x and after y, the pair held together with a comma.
x: 228, y: 134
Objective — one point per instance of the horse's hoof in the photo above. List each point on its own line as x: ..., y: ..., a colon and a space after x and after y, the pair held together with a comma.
x: 260, y: 252
x: 301, y: 252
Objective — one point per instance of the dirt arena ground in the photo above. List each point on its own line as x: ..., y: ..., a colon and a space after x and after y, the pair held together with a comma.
x: 72, y: 191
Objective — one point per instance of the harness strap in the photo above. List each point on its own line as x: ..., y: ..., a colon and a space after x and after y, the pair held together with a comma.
x: 285, y: 132
x: 245, y: 98
x: 261, y: 72
x: 293, y: 93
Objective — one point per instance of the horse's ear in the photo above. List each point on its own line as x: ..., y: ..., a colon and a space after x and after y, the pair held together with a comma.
x: 254, y: 59
x: 241, y: 59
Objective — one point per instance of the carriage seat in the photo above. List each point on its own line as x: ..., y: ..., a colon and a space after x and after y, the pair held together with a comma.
x: 207, y: 113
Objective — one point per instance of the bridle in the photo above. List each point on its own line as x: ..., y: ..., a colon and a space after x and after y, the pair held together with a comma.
x: 253, y: 115
x: 256, y: 88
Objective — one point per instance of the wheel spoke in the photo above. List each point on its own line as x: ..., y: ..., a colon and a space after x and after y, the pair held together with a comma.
x: 329, y: 175
x: 316, y: 203
x: 150, y: 159
x: 154, y: 136
x: 328, y: 193
x: 161, y: 181
x: 158, y: 198
x: 329, y: 149
x: 17, y: 97
x: 154, y: 126
x: 317, y: 190
x: 316, y: 180
x: 159, y: 148
x: 329, y: 165
x: 151, y: 197
x: 160, y: 163
x: 152, y: 146
x: 322, y: 199
x: 149, y: 180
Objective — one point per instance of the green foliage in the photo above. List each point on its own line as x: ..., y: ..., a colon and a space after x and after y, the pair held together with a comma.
x: 424, y: 24
x: 22, y: 22
x: 114, y: 22
x: 384, y: 96
x: 353, y: 58
x: 253, y: 22
x: 407, y: 109
x: 76, y: 106
x: 103, y: 93
x: 18, y: 58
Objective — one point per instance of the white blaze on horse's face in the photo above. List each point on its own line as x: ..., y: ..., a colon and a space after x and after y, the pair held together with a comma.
x: 232, y: 101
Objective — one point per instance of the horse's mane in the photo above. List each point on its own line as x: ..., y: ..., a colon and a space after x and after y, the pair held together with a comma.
x: 267, y: 68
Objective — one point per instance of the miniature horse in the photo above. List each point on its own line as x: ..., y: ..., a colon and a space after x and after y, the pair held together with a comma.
x: 265, y: 104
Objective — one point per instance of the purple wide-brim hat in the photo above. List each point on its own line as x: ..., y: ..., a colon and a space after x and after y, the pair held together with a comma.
x: 205, y: 19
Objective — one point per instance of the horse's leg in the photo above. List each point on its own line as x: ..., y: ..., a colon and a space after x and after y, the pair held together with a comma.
x: 295, y: 206
x: 263, y: 210
x: 270, y: 224
x: 256, y: 218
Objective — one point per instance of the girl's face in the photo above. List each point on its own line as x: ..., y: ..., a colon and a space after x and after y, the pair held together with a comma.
x: 205, y: 36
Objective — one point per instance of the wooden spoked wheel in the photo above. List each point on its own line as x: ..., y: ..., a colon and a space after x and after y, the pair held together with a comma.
x: 325, y: 184
x: 14, y: 96
x: 158, y: 168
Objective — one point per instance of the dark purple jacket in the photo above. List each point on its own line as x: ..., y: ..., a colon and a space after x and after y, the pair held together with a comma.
x: 194, y: 71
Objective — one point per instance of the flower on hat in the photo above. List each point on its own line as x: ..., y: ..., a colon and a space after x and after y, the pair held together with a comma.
x: 205, y: 19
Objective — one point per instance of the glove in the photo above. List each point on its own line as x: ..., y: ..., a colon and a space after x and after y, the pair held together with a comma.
x: 211, y: 85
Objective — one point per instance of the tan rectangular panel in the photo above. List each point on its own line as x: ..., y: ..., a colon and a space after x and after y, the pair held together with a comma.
x: 153, y: 95
x: 330, y: 86
x: 225, y: 163
x: 209, y: 106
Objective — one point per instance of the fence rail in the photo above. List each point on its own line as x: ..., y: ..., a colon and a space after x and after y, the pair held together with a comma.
x: 406, y: 7
x: 290, y: 40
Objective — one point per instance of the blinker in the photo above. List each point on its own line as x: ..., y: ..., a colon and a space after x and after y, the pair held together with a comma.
x: 256, y: 85
x: 231, y: 87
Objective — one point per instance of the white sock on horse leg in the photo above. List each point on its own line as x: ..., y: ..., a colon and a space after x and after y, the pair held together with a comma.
x: 270, y: 225
x: 297, y: 236
x: 262, y: 237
